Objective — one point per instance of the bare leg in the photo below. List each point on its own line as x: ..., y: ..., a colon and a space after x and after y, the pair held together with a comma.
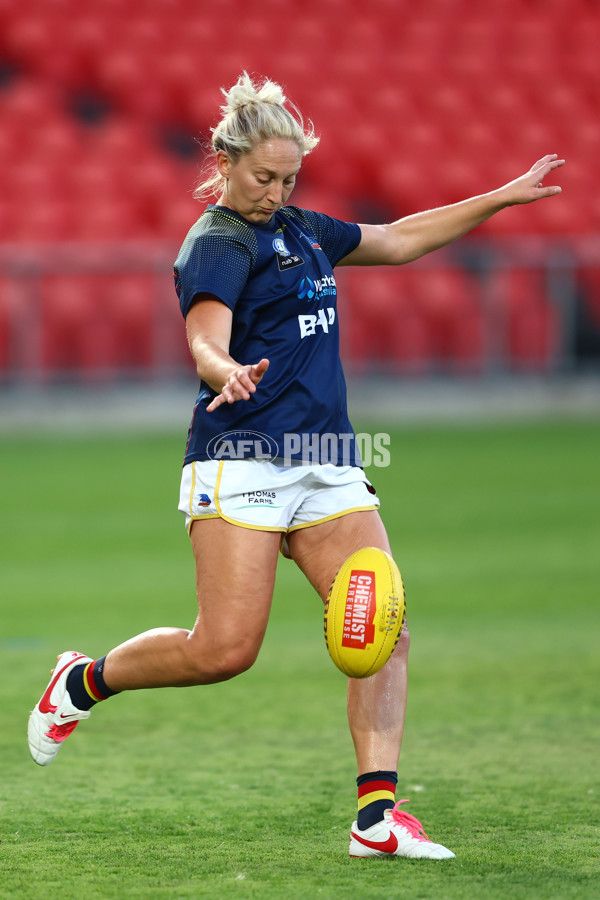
x: 235, y: 576
x: 376, y: 712
x: 376, y: 705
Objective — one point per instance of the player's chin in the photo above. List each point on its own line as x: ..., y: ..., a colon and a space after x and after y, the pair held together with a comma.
x: 266, y: 214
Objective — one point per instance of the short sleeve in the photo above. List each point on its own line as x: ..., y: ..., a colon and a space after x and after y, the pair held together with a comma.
x: 337, y: 238
x: 212, y: 261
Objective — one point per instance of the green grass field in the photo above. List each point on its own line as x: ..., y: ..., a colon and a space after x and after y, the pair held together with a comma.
x: 247, y: 789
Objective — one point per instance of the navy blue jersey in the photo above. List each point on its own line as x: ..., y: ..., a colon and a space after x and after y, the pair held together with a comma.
x: 278, y: 281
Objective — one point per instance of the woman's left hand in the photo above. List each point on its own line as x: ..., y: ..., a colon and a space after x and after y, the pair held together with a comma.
x: 530, y: 187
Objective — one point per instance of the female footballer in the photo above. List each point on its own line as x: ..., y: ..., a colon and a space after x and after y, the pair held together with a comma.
x: 256, y: 285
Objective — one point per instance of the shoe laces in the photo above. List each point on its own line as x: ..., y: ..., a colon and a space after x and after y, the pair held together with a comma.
x: 412, y: 825
x: 59, y: 733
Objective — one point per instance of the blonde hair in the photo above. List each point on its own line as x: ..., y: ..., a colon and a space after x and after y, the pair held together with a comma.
x: 253, y: 113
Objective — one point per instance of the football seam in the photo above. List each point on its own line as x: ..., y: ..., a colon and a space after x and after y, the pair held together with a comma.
x: 395, y: 591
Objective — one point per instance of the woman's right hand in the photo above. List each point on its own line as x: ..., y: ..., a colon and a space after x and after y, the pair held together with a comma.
x: 240, y: 384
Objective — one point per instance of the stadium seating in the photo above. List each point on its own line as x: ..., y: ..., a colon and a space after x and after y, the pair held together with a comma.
x: 414, y: 319
x: 526, y: 322
x: 418, y: 105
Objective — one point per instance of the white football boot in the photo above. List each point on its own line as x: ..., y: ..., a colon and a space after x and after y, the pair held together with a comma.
x: 55, y: 717
x: 398, y: 834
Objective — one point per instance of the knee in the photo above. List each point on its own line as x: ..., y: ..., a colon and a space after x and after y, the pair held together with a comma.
x: 233, y: 661
x: 221, y: 662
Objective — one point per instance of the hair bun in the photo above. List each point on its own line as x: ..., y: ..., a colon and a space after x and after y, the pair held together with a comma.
x: 245, y: 92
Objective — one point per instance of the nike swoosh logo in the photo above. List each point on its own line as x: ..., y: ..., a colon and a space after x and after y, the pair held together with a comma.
x: 389, y: 846
x: 44, y: 705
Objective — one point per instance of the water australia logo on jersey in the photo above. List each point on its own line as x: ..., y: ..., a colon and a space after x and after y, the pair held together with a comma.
x: 285, y: 259
x: 322, y: 287
x: 307, y: 289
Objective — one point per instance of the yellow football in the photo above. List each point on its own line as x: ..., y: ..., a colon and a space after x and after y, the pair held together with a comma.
x: 364, y: 612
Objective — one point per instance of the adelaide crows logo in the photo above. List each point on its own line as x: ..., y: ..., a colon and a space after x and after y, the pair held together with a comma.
x: 285, y: 259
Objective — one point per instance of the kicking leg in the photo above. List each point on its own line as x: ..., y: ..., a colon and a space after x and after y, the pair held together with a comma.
x: 376, y: 705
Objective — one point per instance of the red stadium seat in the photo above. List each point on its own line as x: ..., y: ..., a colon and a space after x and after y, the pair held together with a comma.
x: 406, y: 186
x: 123, y: 76
x: 127, y: 304
x: 381, y: 324
x: 29, y: 102
x: 43, y: 218
x: 75, y: 336
x: 97, y: 324
x: 527, y: 325
x: 6, y: 219
x: 5, y: 327
x: 174, y: 219
x: 109, y: 218
x: 449, y: 300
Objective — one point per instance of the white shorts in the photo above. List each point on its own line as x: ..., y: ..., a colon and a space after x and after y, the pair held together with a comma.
x: 270, y: 496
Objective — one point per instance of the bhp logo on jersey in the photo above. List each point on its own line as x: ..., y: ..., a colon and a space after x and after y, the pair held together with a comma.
x: 359, y: 618
x: 309, y: 323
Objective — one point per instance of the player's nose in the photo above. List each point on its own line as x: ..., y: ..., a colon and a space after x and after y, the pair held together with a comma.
x: 275, y: 194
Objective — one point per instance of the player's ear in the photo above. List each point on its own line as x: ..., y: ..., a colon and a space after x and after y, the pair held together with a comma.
x: 223, y: 164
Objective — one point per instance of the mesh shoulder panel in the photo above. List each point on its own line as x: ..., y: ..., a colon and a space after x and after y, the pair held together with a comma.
x: 337, y: 238
x: 216, y: 257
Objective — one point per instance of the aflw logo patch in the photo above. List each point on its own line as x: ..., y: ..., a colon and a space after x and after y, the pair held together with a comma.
x: 359, y: 617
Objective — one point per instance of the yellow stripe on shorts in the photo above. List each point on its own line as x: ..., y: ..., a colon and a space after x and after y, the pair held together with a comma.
x: 192, y: 488
x: 218, y: 486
